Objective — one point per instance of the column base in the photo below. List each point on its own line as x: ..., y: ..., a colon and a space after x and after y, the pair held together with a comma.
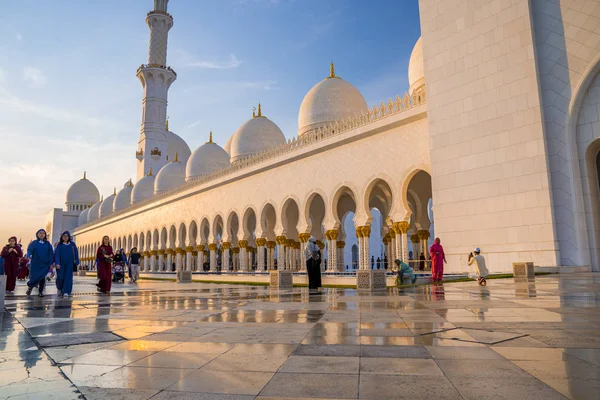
x: 184, y: 276
x: 523, y: 269
x: 281, y: 279
x: 370, y: 280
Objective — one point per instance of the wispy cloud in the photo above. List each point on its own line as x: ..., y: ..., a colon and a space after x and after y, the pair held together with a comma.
x: 193, y: 124
x: 35, y: 77
x: 233, y: 86
x: 185, y: 59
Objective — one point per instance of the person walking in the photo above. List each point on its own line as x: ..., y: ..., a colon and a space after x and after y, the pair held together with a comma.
x: 313, y: 263
x: 41, y: 254
x: 134, y: 265
x: 481, y: 271
x: 11, y: 254
x: 66, y: 259
x: 438, y: 258
x: 104, y: 255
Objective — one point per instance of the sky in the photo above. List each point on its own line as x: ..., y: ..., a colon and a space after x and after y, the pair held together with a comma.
x: 70, y: 100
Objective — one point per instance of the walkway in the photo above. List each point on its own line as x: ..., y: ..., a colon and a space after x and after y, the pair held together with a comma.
x: 162, y: 340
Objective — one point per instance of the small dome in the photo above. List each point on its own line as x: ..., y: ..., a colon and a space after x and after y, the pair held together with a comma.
x: 255, y: 135
x: 205, y: 159
x: 94, y: 212
x: 83, y: 217
x: 123, y: 198
x: 143, y: 189
x: 107, y: 205
x: 177, y: 146
x: 170, y: 176
x: 328, y: 101
x: 227, y: 146
x: 416, y: 67
x: 83, y: 192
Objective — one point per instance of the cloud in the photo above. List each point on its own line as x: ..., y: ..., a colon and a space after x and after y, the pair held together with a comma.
x: 186, y: 60
x: 193, y: 124
x: 35, y: 77
x: 233, y: 86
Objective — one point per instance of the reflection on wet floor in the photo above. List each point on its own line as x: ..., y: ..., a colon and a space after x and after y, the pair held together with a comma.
x: 156, y: 339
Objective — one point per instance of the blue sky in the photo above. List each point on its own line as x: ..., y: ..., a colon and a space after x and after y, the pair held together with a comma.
x: 70, y: 101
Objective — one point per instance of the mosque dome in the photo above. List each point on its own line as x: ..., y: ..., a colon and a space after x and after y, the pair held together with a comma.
x: 416, y: 67
x: 123, y: 198
x: 330, y: 100
x: 83, y: 192
x: 143, y: 189
x: 107, y: 205
x: 170, y: 176
x: 83, y: 217
x: 227, y: 146
x: 255, y: 135
x: 94, y: 212
x: 176, y: 146
x: 207, y: 158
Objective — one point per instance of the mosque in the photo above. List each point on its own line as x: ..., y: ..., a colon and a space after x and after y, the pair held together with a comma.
x: 495, y: 145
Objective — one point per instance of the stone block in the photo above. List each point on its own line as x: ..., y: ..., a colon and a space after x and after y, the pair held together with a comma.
x: 370, y: 280
x: 281, y: 279
x: 184, y: 276
x: 523, y: 269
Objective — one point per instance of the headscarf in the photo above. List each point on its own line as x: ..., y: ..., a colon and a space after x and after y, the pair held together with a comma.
x: 45, y: 237
x: 102, y: 242
x: 65, y: 233
x: 14, y: 238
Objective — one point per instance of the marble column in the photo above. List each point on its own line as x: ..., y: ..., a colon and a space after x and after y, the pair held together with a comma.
x: 423, y: 236
x: 260, y: 255
x: 271, y: 254
x: 212, y: 247
x: 194, y: 259
x: 169, y: 265
x: 281, y: 241
x: 188, y: 259
x: 235, y: 258
x: 392, y: 244
x: 243, y: 257
x: 178, y: 259
x: 340, y: 244
x: 153, y: 260
x: 386, y: 249
x: 146, y: 255
x: 200, y: 260
x: 363, y: 233
x: 415, y: 246
x: 303, y: 237
x: 404, y: 225
x: 161, y: 259
x: 225, y: 265
x: 331, y: 236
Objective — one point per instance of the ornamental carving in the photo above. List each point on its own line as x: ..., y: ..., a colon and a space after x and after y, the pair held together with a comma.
x: 155, y: 152
x: 242, y: 244
x: 189, y: 249
x: 212, y: 247
x: 331, y: 234
x: 270, y: 244
x: 261, y: 241
x: 200, y: 247
x: 303, y: 237
x: 281, y: 239
x: 403, y: 225
x: 161, y: 252
x: 423, y: 234
x: 340, y: 244
x: 235, y: 250
x: 153, y: 252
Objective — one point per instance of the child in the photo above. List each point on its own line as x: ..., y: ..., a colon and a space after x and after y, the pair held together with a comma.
x: 134, y: 262
x: 402, y: 269
x: 481, y: 271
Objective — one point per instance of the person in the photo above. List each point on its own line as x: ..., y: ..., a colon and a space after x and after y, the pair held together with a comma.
x: 378, y: 263
x: 66, y: 258
x: 118, y: 268
x: 385, y: 262
x: 422, y: 262
x: 438, y: 258
x: 481, y: 271
x: 372, y: 262
x: 403, y: 268
x: 134, y: 265
x: 41, y: 253
x: 11, y: 253
x: 104, y: 257
x: 313, y: 263
x: 23, y: 272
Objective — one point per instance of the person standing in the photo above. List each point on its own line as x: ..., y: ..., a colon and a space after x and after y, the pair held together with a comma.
x: 438, y: 258
x: 134, y: 265
x: 66, y: 258
x: 481, y: 271
x: 313, y: 263
x: 403, y: 268
x: 41, y: 254
x: 11, y: 254
x: 104, y: 255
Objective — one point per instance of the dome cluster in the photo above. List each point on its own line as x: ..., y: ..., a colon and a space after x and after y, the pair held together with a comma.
x: 328, y: 101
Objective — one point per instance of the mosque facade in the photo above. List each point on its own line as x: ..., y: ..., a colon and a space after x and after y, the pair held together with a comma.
x: 495, y: 145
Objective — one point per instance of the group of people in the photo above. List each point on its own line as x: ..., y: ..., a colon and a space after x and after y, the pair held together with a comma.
x: 111, y: 265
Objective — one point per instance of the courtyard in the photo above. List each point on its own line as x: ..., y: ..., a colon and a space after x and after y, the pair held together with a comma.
x: 514, y: 339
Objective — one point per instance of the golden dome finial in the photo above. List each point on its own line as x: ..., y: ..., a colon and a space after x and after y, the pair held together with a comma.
x: 253, y: 112
x: 130, y: 183
x: 259, y: 110
x: 176, y: 157
x: 167, y: 124
x: 150, y: 172
x: 210, y: 138
x: 114, y: 191
x: 331, y: 70
x: 84, y: 175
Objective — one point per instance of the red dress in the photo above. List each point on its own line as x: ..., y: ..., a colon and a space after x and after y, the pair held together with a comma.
x: 104, y: 267
x: 11, y: 265
x: 436, y: 252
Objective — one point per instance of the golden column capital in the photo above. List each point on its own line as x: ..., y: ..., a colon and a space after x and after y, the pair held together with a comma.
x: 170, y: 251
x: 303, y: 237
x: 189, y: 249
x: 423, y: 234
x: 178, y: 250
x: 331, y: 234
x: 320, y: 244
x: 194, y: 253
x: 161, y: 252
x: 270, y: 244
x: 212, y: 247
x: 235, y: 250
x: 366, y: 231
x: 242, y: 244
x: 200, y: 247
x: 226, y: 245
x: 340, y: 244
x: 414, y: 238
x: 290, y: 243
x: 146, y: 253
x: 280, y: 239
x: 261, y: 241
x: 153, y: 252
x: 404, y: 226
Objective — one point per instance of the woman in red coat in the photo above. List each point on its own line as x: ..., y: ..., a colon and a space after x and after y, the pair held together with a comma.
x: 11, y: 253
x: 104, y: 255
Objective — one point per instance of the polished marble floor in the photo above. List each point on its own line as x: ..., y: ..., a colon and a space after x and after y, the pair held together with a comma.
x: 514, y: 339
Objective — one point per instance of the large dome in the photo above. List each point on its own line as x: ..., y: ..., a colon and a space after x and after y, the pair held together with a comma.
x: 255, y: 135
x: 416, y: 67
x: 176, y: 146
x: 83, y: 192
x: 330, y: 100
x: 83, y: 217
x: 205, y: 159
x: 94, y: 212
x: 170, y: 176
x: 123, y: 198
x: 227, y: 146
x: 107, y: 205
x: 143, y: 189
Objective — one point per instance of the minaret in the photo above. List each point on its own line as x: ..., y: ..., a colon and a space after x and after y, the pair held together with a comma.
x: 156, y: 79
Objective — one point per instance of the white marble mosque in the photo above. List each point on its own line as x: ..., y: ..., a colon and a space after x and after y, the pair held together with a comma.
x: 496, y: 145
